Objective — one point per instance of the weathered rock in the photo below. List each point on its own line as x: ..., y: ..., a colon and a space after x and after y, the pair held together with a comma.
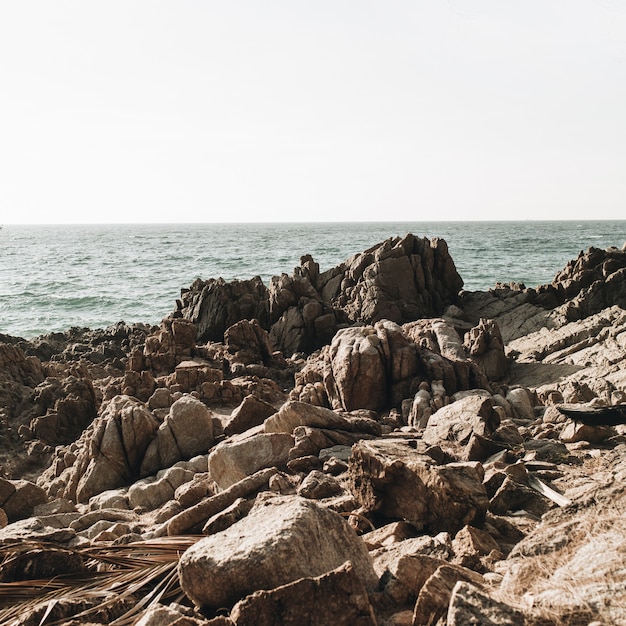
x: 250, y: 413
x: 396, y: 480
x: 248, y: 343
x: 282, y: 539
x: 67, y: 407
x: 171, y: 344
x: 337, y: 597
x: 215, y: 305
x: 185, y: 432
x: 34, y: 529
x: 233, y: 460
x: 193, y: 517
x: 470, y: 605
x: 19, y: 498
x: 434, y: 596
x: 160, y: 615
x: 231, y: 514
x: 293, y: 414
x: 485, y: 347
x: 456, y: 422
x: 317, y: 485
x: 470, y: 545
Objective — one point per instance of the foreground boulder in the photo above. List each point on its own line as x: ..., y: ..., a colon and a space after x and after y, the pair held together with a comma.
x: 283, y: 539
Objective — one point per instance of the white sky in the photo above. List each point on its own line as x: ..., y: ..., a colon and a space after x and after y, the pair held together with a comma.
x: 286, y: 110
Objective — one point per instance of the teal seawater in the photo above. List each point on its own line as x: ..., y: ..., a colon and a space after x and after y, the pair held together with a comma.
x: 56, y: 277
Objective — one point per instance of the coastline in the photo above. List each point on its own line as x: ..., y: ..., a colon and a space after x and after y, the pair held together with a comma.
x: 378, y: 396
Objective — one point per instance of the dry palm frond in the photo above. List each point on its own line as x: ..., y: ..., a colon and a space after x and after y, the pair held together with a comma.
x: 144, y: 571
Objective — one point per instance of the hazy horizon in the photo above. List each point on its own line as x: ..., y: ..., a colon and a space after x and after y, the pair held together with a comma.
x: 295, y: 112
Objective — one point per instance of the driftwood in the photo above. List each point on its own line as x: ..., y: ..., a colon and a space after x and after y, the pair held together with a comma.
x: 595, y: 416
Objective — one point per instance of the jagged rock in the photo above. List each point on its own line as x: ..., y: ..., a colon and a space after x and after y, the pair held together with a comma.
x: 471, y: 544
x: 396, y: 480
x: 173, y: 343
x: 234, y: 459
x: 108, y: 454
x: 250, y: 413
x: 458, y: 421
x: 215, y: 305
x: 248, y: 343
x: 400, y: 280
x: 470, y: 605
x: 67, y: 405
x: 356, y: 372
x: 485, y: 347
x: 251, y: 555
x: 337, y: 597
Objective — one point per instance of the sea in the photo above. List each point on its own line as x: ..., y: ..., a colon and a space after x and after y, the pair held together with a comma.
x: 53, y: 278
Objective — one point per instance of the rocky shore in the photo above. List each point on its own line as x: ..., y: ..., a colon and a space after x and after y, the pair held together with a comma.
x: 366, y: 445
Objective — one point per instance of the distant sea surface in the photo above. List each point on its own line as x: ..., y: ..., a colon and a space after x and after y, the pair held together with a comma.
x: 56, y: 277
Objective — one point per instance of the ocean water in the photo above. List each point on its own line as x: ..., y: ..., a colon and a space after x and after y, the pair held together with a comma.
x: 56, y: 277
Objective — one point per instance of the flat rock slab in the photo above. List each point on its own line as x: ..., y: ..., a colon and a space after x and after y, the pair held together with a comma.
x: 392, y: 477
x: 283, y: 539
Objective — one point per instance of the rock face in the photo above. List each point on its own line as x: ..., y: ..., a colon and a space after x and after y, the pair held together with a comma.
x: 215, y: 305
x: 281, y: 540
x: 399, y: 280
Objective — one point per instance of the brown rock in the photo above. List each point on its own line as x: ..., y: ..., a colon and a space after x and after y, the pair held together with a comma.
x: 456, y: 422
x: 394, y: 479
x: 337, y: 597
x: 282, y: 539
x: 234, y: 459
x: 250, y: 413
x: 470, y: 605
x: 434, y: 596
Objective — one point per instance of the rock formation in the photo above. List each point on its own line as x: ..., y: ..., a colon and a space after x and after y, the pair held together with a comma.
x: 366, y: 445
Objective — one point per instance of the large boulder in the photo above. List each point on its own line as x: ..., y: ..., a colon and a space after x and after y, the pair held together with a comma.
x: 283, y: 539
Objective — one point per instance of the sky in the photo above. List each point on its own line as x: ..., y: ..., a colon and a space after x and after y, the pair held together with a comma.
x: 326, y: 110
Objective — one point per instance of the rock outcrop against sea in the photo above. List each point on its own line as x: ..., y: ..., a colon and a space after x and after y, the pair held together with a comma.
x: 366, y: 445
